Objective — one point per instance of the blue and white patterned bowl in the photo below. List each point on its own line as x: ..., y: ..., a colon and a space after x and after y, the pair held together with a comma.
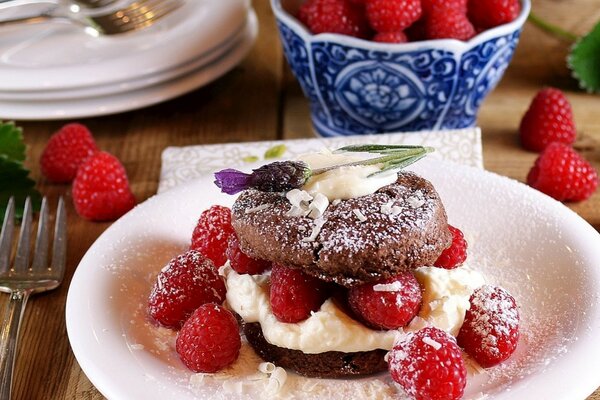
x: 357, y: 86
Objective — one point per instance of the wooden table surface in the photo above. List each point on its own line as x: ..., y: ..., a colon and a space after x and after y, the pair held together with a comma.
x: 259, y: 100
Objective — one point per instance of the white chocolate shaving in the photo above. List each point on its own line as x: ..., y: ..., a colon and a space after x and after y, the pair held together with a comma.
x: 256, y: 209
x: 361, y: 217
x: 318, y: 206
x: 319, y: 222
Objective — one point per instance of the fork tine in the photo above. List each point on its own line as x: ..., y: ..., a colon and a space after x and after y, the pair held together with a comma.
x: 22, y: 258
x: 146, y: 13
x: 59, y: 248
x: 40, y: 253
x: 6, y: 235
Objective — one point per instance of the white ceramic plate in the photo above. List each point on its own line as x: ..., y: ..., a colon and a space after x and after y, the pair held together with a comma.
x: 49, y: 56
x: 134, y: 99
x: 542, y: 252
x: 133, y: 83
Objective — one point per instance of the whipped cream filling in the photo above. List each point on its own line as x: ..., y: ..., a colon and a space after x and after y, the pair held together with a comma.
x: 445, y: 302
x: 446, y: 295
x: 344, y: 182
x: 328, y: 329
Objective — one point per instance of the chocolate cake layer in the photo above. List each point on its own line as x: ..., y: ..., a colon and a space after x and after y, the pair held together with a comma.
x: 400, y: 227
x: 331, y: 364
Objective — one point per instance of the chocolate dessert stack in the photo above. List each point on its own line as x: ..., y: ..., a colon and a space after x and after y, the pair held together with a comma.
x: 352, y: 242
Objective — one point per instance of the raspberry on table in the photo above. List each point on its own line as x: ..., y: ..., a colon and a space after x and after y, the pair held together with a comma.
x: 212, y: 232
x: 548, y: 119
x: 209, y: 340
x: 334, y: 16
x: 387, y: 304
x: 294, y: 295
x: 563, y: 174
x: 490, y: 13
x: 187, y: 282
x: 428, y: 365
x: 390, y: 37
x: 240, y: 262
x: 490, y: 331
x: 448, y: 23
x: 392, y: 15
x: 66, y: 150
x: 101, y: 189
x: 456, y: 254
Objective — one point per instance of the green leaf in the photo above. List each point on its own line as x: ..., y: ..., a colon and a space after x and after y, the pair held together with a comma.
x: 275, y: 151
x: 250, y: 159
x: 584, y: 60
x: 11, y: 142
x: 14, y: 177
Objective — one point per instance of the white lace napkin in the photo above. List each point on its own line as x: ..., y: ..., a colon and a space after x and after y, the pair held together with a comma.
x: 182, y: 164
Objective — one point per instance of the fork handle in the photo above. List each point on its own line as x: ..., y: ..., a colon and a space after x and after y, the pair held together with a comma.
x: 9, y: 337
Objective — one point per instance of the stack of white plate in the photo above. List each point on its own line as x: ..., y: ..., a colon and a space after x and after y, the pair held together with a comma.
x: 53, y: 72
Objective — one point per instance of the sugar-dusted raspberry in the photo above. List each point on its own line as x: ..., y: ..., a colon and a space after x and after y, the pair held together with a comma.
x: 209, y: 340
x: 334, y: 16
x: 392, y: 15
x: 294, y: 294
x: 65, y: 151
x: 490, y: 13
x: 387, y: 304
x: 212, y: 233
x: 456, y: 254
x: 490, y: 332
x: 390, y: 37
x: 548, y: 119
x: 187, y: 282
x: 563, y: 174
x: 241, y: 263
x: 448, y: 23
x: 428, y: 365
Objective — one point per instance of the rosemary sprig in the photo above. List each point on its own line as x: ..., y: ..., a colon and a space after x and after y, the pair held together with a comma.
x: 394, y: 157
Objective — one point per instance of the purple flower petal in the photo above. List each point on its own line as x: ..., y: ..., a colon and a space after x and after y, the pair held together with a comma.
x: 232, y: 181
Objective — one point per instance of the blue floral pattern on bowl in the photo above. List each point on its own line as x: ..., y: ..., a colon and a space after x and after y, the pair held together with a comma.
x: 360, y: 87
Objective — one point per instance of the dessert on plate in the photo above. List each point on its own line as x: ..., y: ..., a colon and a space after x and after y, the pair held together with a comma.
x: 335, y: 265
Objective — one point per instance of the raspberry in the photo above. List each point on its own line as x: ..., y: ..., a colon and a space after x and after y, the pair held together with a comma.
x: 212, y: 233
x: 448, y: 23
x: 294, y: 294
x: 387, y: 304
x: 187, y: 282
x: 241, y: 263
x: 392, y: 15
x: 101, y: 189
x: 390, y: 37
x: 65, y: 152
x: 209, y: 340
x: 490, y: 13
x: 456, y: 254
x: 334, y: 16
x: 428, y: 365
x: 433, y: 5
x: 490, y: 332
x: 548, y: 119
x: 563, y: 174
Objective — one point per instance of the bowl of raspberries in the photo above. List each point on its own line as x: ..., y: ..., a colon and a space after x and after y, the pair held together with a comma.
x: 375, y: 66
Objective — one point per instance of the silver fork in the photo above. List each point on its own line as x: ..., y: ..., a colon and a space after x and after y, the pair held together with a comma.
x: 25, y: 279
x: 109, y: 19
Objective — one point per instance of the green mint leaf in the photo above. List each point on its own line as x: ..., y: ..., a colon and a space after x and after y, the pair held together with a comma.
x: 14, y: 182
x: 14, y: 177
x: 11, y: 142
x: 584, y: 61
x: 275, y: 151
x: 250, y: 159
